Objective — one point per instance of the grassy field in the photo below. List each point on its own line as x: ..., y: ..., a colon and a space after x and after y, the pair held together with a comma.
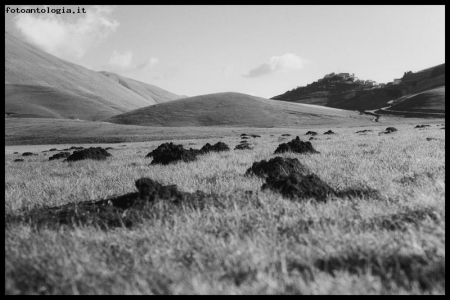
x: 34, y: 131
x: 244, y: 244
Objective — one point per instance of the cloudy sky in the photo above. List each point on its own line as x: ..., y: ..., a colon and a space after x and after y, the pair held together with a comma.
x: 257, y: 50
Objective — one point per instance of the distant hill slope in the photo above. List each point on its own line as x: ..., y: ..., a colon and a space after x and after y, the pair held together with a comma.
x: 430, y: 103
x: 147, y: 91
x: 354, y: 96
x: 32, y: 101
x: 234, y: 109
x: 90, y: 95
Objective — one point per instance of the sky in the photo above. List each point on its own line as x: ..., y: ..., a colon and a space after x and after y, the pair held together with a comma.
x: 258, y: 50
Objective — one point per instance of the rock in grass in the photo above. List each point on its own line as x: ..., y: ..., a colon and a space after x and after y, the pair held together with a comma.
x: 311, y: 133
x: 28, y: 154
x: 218, y: 147
x: 329, y: 132
x: 277, y: 166
x: 169, y: 152
x: 297, y: 146
x: 18, y: 159
x: 243, y: 146
x: 97, y: 153
x: 422, y: 126
x: 119, y: 211
x: 59, y: 155
x: 298, y: 186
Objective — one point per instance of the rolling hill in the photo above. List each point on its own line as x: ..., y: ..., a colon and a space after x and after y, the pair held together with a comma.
x: 235, y: 109
x: 351, y: 95
x: 41, y: 85
x: 430, y: 103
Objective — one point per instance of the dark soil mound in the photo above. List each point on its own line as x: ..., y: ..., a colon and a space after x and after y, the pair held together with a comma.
x: 122, y: 211
x: 329, y: 132
x: 244, y: 134
x: 97, y: 153
x: 28, y: 154
x: 16, y: 153
x: 311, y: 133
x: 431, y: 139
x: 109, y: 148
x: 277, y: 166
x: 218, y: 147
x: 60, y: 155
x: 363, y: 131
x: 286, y: 134
x: 422, y: 126
x: 312, y: 138
x: 243, y: 142
x: 169, y: 152
x: 296, y: 146
x: 389, y: 130
x: 53, y: 149
x: 297, y: 186
x: 255, y: 136
x: 244, y: 138
x: 243, y: 146
x: 76, y: 148
x: 443, y: 128
x: 19, y: 159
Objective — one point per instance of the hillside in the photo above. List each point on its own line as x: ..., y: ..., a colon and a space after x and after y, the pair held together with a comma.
x: 31, y: 73
x: 344, y: 91
x: 147, y: 91
x: 428, y: 104
x: 234, y: 109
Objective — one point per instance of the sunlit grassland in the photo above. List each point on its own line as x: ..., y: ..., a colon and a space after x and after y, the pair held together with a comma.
x: 248, y: 245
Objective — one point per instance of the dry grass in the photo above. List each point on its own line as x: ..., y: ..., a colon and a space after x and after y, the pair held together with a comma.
x: 260, y: 244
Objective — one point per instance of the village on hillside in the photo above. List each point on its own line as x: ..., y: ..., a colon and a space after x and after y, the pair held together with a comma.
x: 329, y: 81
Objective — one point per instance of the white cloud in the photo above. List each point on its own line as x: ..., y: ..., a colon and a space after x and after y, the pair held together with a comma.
x: 64, y: 38
x: 122, y: 62
x: 283, y: 63
x: 148, y: 64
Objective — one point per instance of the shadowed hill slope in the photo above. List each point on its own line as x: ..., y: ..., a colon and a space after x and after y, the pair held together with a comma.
x: 234, y: 109
x: 431, y: 101
x: 90, y: 93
